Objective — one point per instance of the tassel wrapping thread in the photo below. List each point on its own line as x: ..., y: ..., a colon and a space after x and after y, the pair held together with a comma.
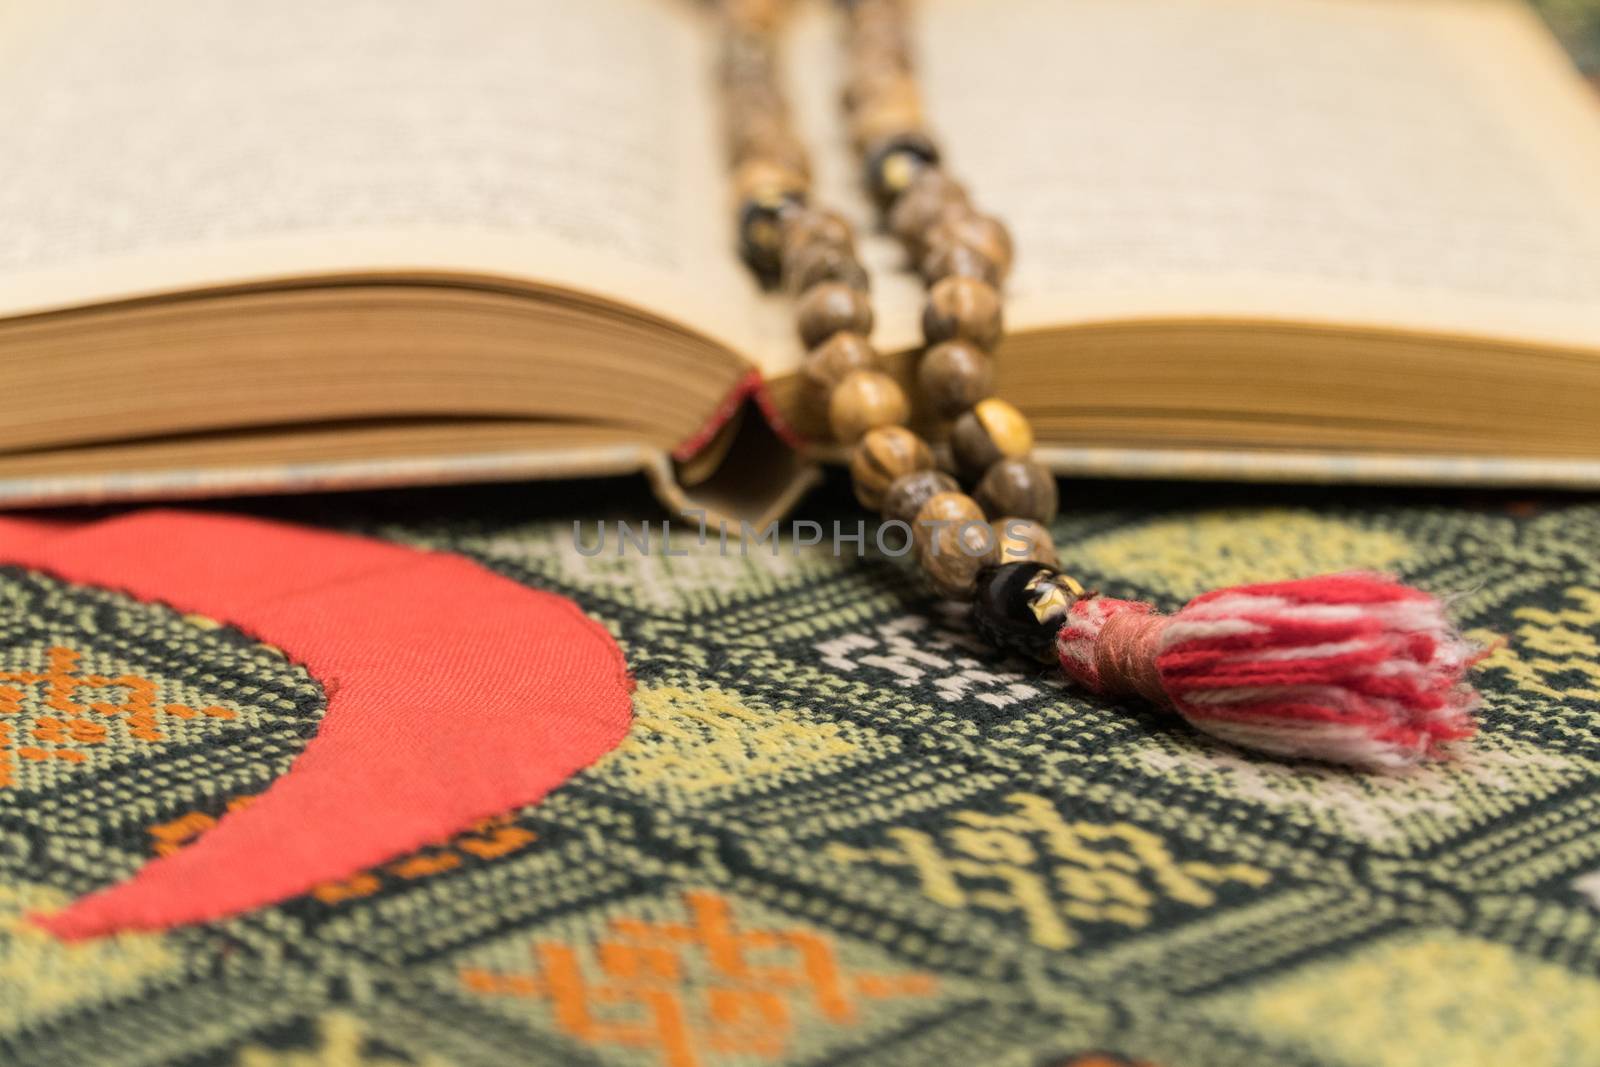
x: 1347, y: 668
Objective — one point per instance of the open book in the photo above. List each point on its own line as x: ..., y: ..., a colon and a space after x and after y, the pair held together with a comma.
x: 247, y: 246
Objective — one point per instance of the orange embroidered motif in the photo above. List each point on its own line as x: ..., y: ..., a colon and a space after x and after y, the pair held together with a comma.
x: 489, y: 839
x: 171, y: 836
x: 77, y: 718
x: 750, y: 985
x: 486, y: 840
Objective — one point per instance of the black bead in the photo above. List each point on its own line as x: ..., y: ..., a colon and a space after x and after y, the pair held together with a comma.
x: 1018, y: 607
x: 894, y: 161
x: 761, y: 233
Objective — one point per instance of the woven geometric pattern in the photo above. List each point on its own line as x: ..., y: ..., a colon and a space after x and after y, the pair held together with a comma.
x: 840, y: 831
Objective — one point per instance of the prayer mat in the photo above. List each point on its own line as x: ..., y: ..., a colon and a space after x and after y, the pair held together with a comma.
x: 838, y: 830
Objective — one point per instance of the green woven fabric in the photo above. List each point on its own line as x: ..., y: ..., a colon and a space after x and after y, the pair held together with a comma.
x: 841, y: 832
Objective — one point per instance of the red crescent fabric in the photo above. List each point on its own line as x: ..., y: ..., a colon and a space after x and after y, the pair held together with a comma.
x: 453, y: 695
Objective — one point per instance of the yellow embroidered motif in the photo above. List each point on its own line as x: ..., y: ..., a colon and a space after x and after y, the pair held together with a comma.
x: 72, y: 719
x: 1118, y: 873
x: 40, y: 974
x: 1425, y: 999
x: 340, y: 1040
x: 1187, y: 555
x: 700, y: 740
x: 1549, y: 645
x: 690, y: 991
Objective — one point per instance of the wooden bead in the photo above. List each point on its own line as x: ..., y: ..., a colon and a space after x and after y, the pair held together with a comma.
x: 909, y: 492
x: 836, y: 359
x: 949, y: 507
x: 815, y: 263
x: 879, y: 83
x: 760, y: 179
x: 876, y: 120
x: 880, y: 42
x: 754, y: 97
x: 954, y: 376
x: 754, y: 134
x: 761, y: 16
x: 880, y: 18
x: 957, y: 259
x: 984, y: 233
x: 963, y: 309
x: 829, y: 307
x: 1021, y: 540
x: 898, y: 90
x: 990, y: 431
x: 953, y: 542
x: 767, y: 145
x: 953, y: 210
x: 745, y: 57
x: 816, y: 226
x: 1020, y: 488
x: 930, y: 193
x: 885, y: 454
x: 865, y: 400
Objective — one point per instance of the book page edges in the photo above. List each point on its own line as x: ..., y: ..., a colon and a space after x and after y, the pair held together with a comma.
x: 757, y: 475
x: 1302, y: 467
x: 777, y: 498
x: 1250, y: 300
x: 753, y: 388
x: 1320, y: 468
x: 302, y: 261
x: 142, y: 486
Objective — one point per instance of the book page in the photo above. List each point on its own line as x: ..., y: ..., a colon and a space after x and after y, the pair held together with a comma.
x: 1424, y: 164
x: 176, y: 143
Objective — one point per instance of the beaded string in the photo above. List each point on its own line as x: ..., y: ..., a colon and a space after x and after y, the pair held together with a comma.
x: 964, y: 256
x: 1353, y: 668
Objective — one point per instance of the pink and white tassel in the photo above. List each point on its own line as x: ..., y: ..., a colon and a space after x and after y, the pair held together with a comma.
x: 1347, y: 668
